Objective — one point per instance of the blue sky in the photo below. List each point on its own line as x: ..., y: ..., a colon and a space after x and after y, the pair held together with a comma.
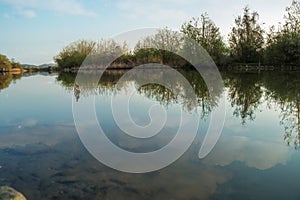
x: 33, y: 31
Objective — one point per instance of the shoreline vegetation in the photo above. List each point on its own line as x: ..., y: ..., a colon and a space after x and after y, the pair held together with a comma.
x: 10, y: 66
x: 249, y: 47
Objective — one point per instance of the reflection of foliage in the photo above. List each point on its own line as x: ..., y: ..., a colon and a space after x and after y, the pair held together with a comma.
x: 66, y: 79
x: 290, y: 119
x: 158, y: 92
x: 17, y: 76
x: 204, y: 100
x: 105, y: 85
x: 109, y: 79
x: 286, y: 94
x: 5, y: 80
x: 245, y: 92
x: 282, y: 88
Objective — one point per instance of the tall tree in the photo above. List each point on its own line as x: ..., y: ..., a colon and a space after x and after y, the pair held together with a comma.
x: 204, y: 31
x: 246, y: 38
x: 161, y: 47
x: 283, y: 45
x: 292, y: 18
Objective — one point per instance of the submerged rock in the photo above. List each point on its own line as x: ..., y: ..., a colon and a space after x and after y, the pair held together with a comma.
x: 28, y: 150
x: 8, y: 193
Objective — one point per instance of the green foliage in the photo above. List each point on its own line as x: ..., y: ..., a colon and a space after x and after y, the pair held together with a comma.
x: 207, y: 34
x: 74, y: 54
x: 246, y: 38
x: 16, y: 65
x: 161, y: 47
x: 292, y: 18
x: 5, y: 64
x: 283, y: 45
x: 248, y: 45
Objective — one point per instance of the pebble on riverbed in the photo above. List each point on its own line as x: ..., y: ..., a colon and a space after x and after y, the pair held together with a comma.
x: 8, y: 193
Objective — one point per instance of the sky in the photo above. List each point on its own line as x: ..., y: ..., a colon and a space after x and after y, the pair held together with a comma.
x: 34, y: 31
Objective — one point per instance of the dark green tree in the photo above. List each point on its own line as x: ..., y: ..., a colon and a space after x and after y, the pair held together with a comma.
x: 246, y: 38
x: 204, y: 31
x: 283, y: 45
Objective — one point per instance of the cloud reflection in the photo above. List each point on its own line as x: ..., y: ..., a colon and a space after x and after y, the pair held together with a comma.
x: 258, y: 154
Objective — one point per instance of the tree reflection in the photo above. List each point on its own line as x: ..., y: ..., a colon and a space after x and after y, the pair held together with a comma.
x: 109, y: 79
x: 106, y: 84
x: 245, y: 93
x: 5, y: 80
x: 283, y: 89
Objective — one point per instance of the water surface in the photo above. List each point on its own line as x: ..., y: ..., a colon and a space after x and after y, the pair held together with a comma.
x: 257, y: 156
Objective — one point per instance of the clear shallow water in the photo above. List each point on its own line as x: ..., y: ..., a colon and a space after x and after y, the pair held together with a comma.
x: 257, y: 156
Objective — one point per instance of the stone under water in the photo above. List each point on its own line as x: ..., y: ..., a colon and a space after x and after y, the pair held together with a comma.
x: 8, y: 193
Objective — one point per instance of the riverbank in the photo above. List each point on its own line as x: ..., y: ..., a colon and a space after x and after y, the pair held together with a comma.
x: 221, y: 68
x: 14, y: 71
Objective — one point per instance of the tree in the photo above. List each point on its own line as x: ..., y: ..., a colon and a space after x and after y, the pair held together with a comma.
x: 162, y: 47
x: 100, y: 53
x: 246, y: 38
x: 204, y: 31
x: 283, y: 45
x: 74, y: 54
x: 5, y: 64
x: 15, y: 64
x: 292, y: 18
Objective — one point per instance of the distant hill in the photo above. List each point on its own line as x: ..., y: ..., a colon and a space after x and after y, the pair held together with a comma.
x: 38, y: 66
x: 28, y: 66
x: 47, y: 65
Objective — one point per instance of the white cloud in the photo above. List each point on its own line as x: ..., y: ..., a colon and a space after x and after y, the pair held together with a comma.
x: 254, y: 153
x: 156, y: 11
x: 176, y: 12
x: 27, y: 13
x: 28, y: 8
